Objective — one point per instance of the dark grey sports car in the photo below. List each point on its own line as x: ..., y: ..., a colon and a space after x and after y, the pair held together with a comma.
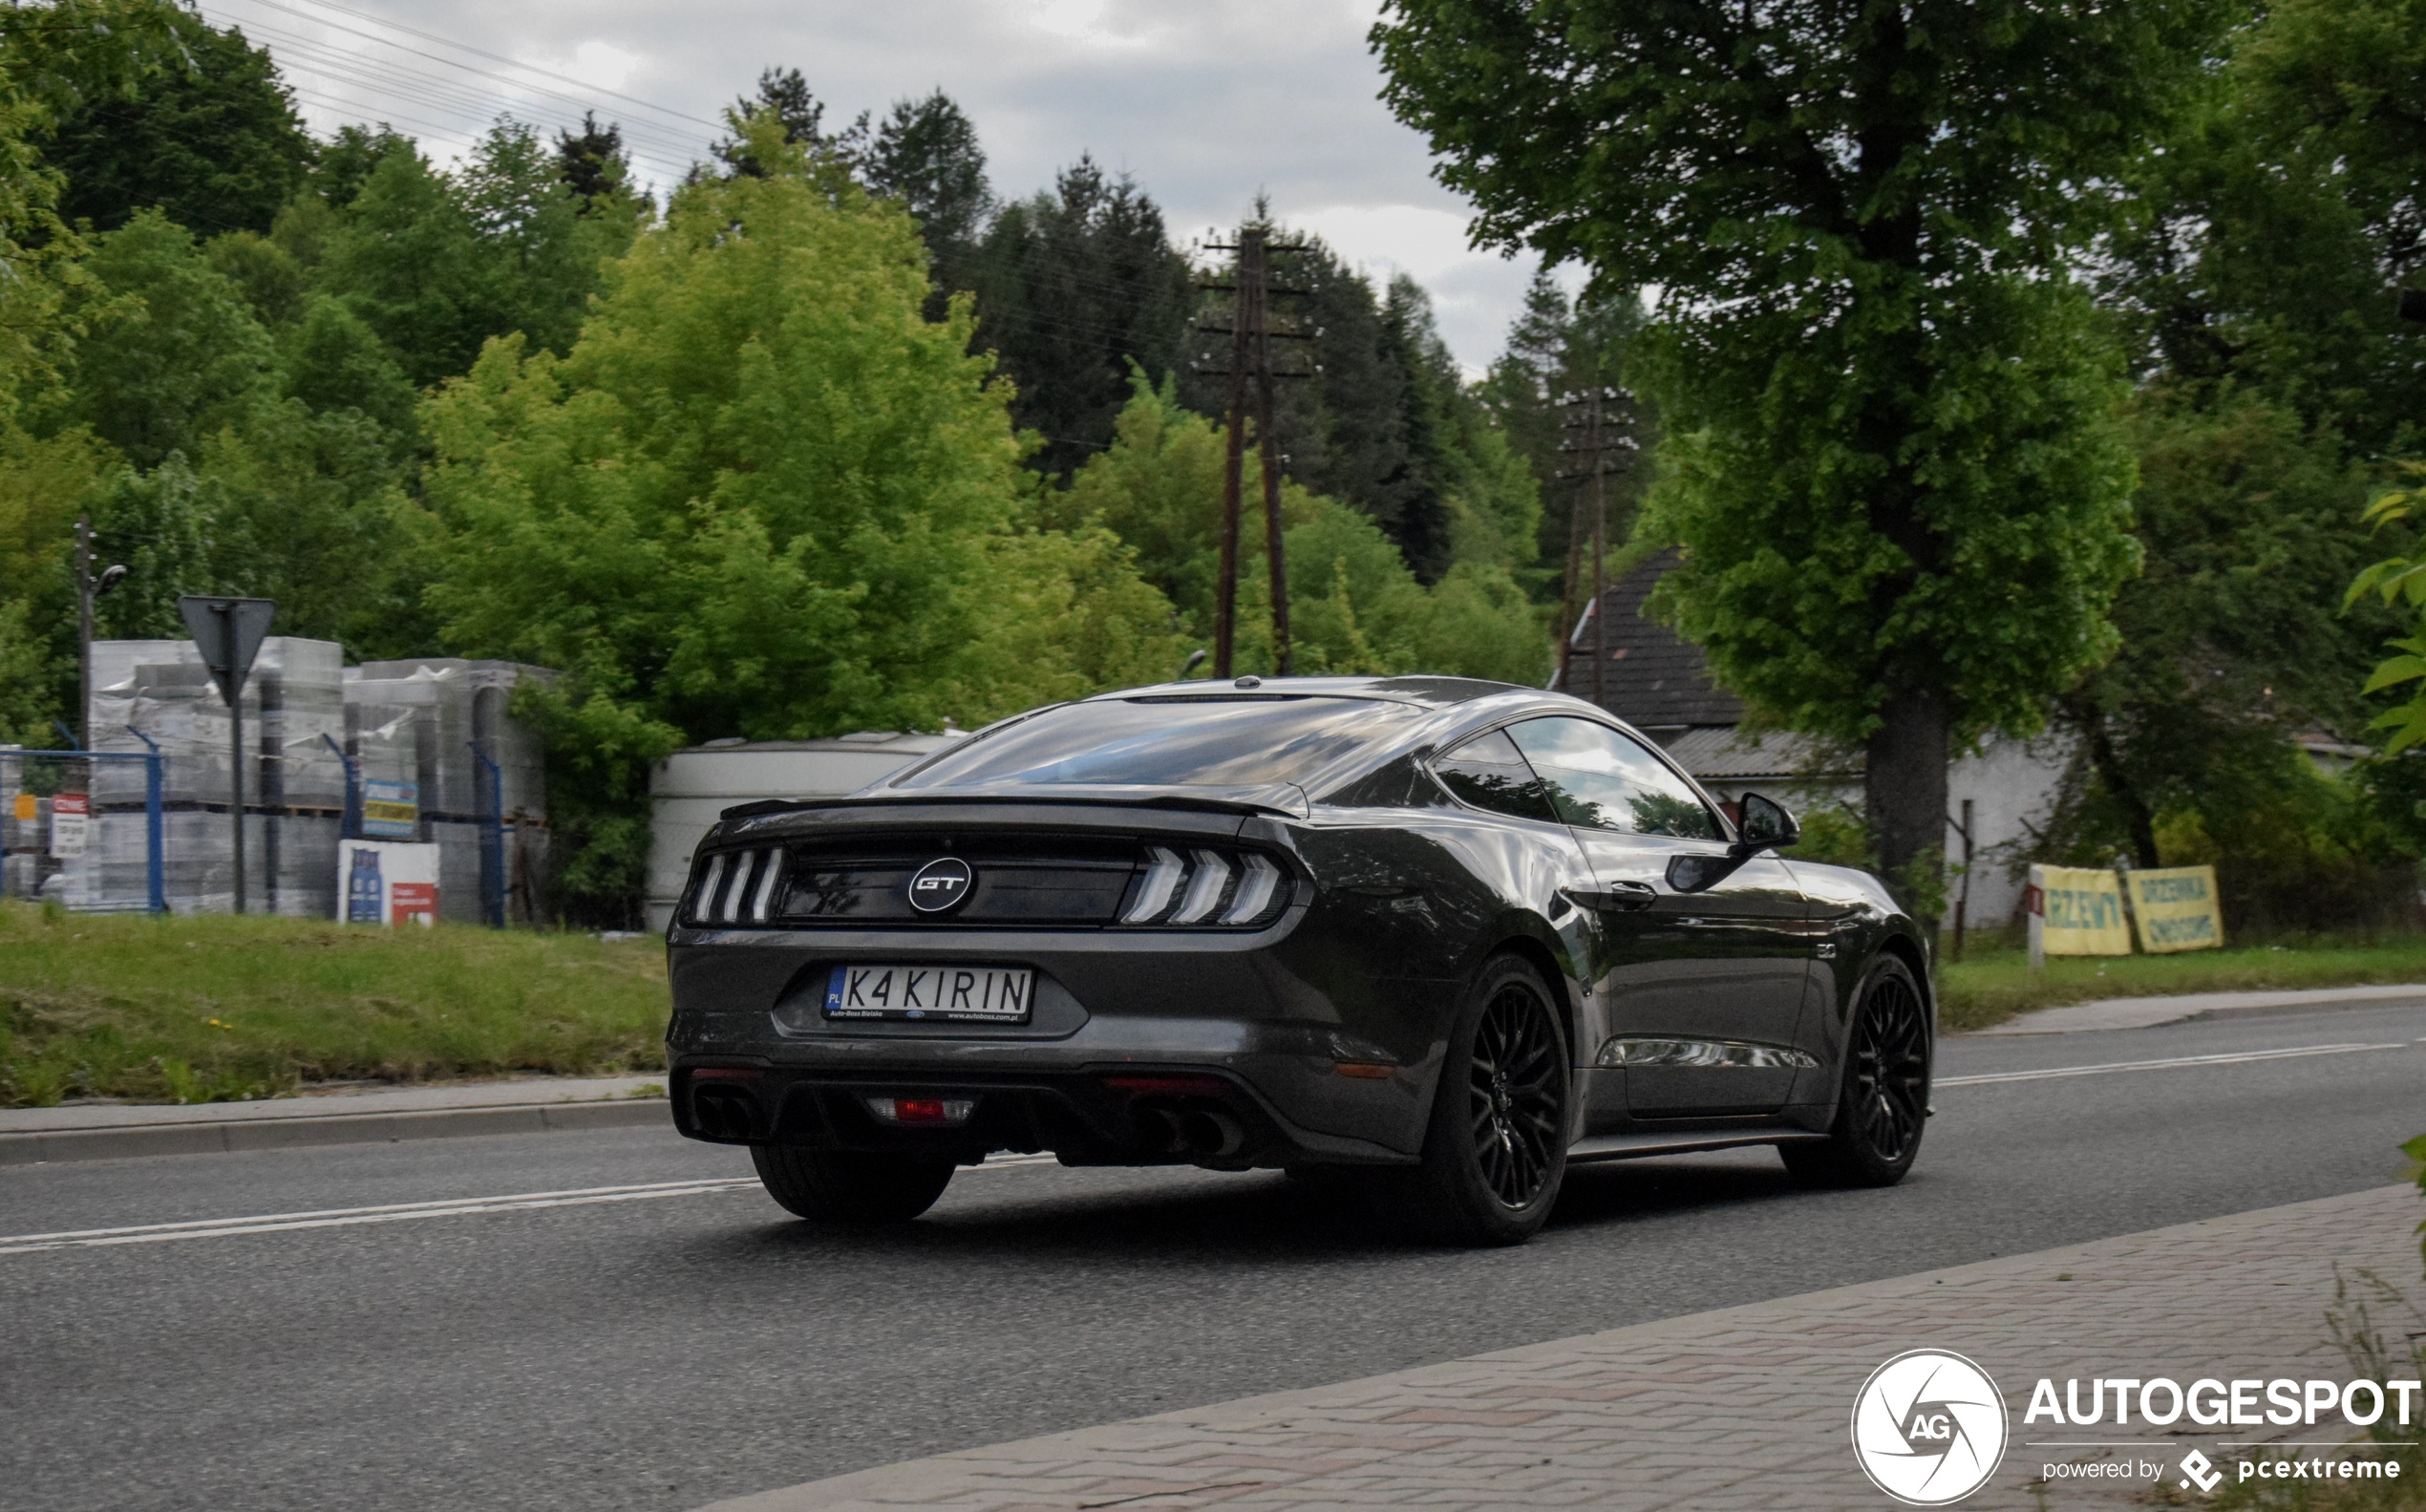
x: 1443, y: 937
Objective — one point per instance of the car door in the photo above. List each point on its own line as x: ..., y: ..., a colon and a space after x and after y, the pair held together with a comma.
x: 1704, y: 960
x: 1543, y: 863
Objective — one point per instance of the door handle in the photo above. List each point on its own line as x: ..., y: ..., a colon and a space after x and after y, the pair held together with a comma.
x: 1619, y: 896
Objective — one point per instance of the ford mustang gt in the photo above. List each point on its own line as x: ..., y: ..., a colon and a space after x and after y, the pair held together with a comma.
x: 1439, y: 938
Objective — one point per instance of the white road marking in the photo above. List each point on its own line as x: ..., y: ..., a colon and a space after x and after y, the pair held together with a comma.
x: 2173, y: 1063
x: 399, y: 1212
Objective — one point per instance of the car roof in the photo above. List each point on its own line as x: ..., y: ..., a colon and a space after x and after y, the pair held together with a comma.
x: 1430, y: 692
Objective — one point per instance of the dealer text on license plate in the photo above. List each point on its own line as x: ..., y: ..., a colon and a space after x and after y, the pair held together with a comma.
x: 989, y: 993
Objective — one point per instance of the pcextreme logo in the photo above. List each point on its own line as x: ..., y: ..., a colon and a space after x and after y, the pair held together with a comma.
x: 1928, y: 1427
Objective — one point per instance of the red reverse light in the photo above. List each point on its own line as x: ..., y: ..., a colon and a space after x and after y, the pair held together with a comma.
x: 929, y: 1111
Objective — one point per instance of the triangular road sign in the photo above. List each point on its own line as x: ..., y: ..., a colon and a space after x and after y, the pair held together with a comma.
x: 228, y: 633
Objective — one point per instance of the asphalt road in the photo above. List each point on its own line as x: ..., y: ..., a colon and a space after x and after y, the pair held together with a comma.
x: 662, y: 1350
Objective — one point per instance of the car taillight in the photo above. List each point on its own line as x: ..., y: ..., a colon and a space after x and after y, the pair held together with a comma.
x: 738, y: 886
x: 1202, y: 887
x: 921, y: 1110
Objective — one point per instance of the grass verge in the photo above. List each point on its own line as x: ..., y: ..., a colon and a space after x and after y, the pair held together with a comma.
x: 208, y: 1009
x: 1989, y: 985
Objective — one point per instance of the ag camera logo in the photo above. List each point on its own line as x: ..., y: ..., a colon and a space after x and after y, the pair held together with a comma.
x: 1928, y: 1427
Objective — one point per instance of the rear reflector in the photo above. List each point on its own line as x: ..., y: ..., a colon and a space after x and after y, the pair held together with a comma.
x: 1365, y: 1069
x: 921, y: 1110
x: 726, y: 1073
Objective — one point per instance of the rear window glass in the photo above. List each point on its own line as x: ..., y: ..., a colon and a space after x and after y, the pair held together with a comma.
x: 1187, y: 740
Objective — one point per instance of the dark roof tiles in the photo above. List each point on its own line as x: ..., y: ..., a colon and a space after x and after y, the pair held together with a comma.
x: 1654, y: 680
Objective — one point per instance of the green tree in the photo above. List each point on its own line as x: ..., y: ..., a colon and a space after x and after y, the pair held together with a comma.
x: 200, y: 128
x: 925, y: 154
x: 1558, y: 350
x: 594, y: 165
x: 1073, y: 286
x: 1354, y: 606
x: 438, y: 264
x: 2268, y: 224
x: 2231, y: 642
x: 1892, y: 454
x: 174, y: 353
x: 262, y: 462
x: 761, y: 496
x: 783, y: 97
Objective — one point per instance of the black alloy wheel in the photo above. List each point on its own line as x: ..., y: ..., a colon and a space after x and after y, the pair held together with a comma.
x: 1884, y: 1101
x: 1495, y: 1150
x: 1515, y: 1095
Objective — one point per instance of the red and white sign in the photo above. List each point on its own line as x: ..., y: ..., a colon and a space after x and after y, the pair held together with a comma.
x: 387, y: 881
x: 71, y: 823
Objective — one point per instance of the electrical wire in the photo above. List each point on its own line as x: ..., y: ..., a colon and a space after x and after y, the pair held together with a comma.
x: 398, y: 26
x: 422, y: 87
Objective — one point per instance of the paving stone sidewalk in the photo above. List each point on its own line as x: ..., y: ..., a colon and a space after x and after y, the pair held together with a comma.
x: 1748, y: 1407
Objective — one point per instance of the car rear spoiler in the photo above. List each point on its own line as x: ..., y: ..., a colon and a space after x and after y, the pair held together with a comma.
x: 1280, y: 798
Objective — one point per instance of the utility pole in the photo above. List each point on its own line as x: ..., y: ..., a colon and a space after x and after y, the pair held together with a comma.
x: 84, y: 627
x: 1566, y: 601
x: 1249, y: 281
x: 88, y: 588
x: 1593, y: 420
x: 1252, y: 380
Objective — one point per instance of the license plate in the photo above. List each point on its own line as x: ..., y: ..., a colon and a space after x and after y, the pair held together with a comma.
x: 991, y: 994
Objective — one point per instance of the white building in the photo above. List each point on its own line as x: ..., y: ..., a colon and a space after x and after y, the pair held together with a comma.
x: 691, y: 787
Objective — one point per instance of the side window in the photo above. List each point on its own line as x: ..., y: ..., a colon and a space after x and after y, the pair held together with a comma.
x: 1601, y: 780
x: 1490, y: 773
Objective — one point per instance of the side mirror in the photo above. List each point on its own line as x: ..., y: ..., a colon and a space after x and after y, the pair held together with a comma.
x: 1765, y: 824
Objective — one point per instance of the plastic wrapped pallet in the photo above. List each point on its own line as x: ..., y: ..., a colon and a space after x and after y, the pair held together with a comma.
x: 454, y: 705
x: 294, y: 705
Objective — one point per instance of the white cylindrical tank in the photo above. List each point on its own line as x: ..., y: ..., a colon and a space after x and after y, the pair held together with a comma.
x: 691, y: 787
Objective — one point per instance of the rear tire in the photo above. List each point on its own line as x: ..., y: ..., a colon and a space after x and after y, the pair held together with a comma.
x: 1883, y: 1103
x: 850, y: 1186
x: 1495, y: 1149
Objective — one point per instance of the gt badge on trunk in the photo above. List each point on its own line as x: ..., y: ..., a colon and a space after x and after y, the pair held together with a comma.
x: 941, y: 886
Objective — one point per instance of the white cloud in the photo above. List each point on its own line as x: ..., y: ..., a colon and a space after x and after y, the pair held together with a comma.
x: 1207, y: 103
x: 600, y: 63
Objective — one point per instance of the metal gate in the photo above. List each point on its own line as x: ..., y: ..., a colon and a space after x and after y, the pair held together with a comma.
x: 84, y: 828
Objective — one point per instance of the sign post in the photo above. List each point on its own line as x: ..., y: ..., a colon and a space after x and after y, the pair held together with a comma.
x: 228, y: 633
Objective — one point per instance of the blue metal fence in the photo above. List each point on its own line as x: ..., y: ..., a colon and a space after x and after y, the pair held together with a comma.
x: 23, y: 773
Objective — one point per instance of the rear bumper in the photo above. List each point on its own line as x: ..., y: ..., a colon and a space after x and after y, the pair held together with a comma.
x: 1269, y: 1017
x: 1109, y: 1116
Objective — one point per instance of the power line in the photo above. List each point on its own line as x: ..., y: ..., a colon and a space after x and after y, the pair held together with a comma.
x: 440, y: 97
x: 643, y: 132
x: 462, y: 47
x: 321, y: 57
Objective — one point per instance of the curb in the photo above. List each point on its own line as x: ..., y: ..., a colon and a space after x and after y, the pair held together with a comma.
x: 2191, y: 1008
x: 357, y: 1128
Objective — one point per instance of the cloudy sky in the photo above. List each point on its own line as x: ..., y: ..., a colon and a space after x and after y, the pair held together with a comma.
x: 1205, y: 101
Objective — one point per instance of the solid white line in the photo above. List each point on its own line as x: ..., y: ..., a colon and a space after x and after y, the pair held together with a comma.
x: 2174, y: 1063
x: 396, y: 1212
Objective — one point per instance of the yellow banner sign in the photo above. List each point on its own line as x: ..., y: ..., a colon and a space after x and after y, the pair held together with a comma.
x: 2177, y: 910
x: 2078, y: 911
